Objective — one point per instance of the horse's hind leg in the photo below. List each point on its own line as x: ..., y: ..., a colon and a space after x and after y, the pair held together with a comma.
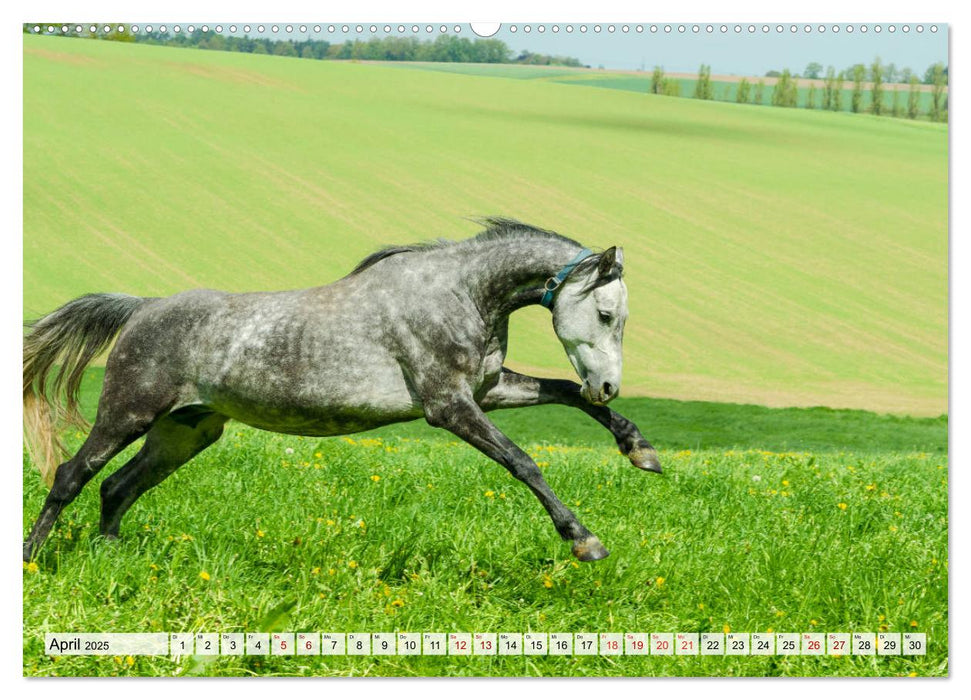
x: 107, y: 438
x: 172, y: 441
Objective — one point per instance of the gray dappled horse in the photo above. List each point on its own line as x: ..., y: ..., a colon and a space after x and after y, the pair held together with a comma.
x: 414, y: 331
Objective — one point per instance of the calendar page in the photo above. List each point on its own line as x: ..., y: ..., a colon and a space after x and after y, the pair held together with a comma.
x: 502, y: 349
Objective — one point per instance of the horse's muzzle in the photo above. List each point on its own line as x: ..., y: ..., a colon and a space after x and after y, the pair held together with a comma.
x: 605, y: 394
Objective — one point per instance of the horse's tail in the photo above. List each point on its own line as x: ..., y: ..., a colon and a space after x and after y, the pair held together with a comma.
x: 71, y: 337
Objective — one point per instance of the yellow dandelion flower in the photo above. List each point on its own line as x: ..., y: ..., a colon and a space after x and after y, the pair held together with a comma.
x: 542, y: 464
x: 813, y: 623
x: 260, y: 533
x: 701, y: 606
x: 375, y: 478
x: 502, y: 496
x: 881, y: 618
x: 153, y: 567
x: 32, y: 567
x: 398, y: 603
x: 331, y: 572
x: 547, y: 581
x: 893, y: 528
x: 912, y: 674
x: 659, y: 581
x: 360, y: 523
x: 769, y: 631
x: 117, y: 659
x: 130, y: 660
x: 871, y: 487
x: 186, y: 538
x: 785, y: 482
x: 726, y: 629
x: 318, y: 455
x: 779, y: 613
x: 314, y: 571
x: 352, y: 564
x: 913, y: 623
x: 490, y: 494
x: 204, y: 575
x: 841, y: 506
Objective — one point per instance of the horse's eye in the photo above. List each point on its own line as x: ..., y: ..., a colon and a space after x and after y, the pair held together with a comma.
x: 605, y: 317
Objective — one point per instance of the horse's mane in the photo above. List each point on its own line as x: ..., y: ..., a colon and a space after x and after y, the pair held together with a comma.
x: 497, y: 229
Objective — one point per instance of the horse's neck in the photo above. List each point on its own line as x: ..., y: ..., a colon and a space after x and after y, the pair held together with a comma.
x: 508, y: 277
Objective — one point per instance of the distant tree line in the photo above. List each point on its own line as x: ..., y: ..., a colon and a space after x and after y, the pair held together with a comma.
x: 785, y: 92
x: 876, y: 71
x: 446, y: 48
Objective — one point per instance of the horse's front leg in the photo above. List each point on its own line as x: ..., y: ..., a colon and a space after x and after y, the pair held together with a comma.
x: 515, y: 390
x: 465, y: 419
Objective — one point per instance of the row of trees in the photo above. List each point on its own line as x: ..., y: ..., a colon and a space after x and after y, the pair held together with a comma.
x: 785, y: 91
x: 888, y: 73
x: 446, y: 48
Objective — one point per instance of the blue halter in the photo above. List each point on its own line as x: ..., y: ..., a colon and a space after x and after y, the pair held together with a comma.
x: 553, y: 283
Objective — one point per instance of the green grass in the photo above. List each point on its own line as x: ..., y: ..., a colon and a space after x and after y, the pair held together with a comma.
x: 777, y: 257
x: 744, y: 529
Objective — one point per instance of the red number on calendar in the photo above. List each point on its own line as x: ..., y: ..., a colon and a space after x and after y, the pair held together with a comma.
x: 637, y: 644
x: 283, y: 644
x: 838, y: 644
x: 460, y: 645
x: 662, y: 645
x: 485, y: 644
x: 687, y: 644
x: 612, y: 645
x: 309, y: 645
x: 814, y: 645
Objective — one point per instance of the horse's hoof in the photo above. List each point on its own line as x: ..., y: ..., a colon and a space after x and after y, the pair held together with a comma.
x: 28, y: 553
x: 645, y: 458
x: 589, y: 549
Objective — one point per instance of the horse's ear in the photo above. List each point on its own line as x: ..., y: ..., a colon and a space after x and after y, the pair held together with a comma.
x: 611, y: 261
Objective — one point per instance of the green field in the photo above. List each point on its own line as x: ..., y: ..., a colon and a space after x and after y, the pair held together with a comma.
x: 765, y: 519
x: 779, y: 257
x: 724, y: 90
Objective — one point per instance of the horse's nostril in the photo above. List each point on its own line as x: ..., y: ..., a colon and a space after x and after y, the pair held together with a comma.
x: 608, y: 390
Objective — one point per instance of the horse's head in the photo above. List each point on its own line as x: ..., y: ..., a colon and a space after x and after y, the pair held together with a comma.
x: 589, y: 313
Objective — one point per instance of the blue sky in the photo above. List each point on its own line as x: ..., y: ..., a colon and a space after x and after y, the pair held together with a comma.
x: 741, y: 53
